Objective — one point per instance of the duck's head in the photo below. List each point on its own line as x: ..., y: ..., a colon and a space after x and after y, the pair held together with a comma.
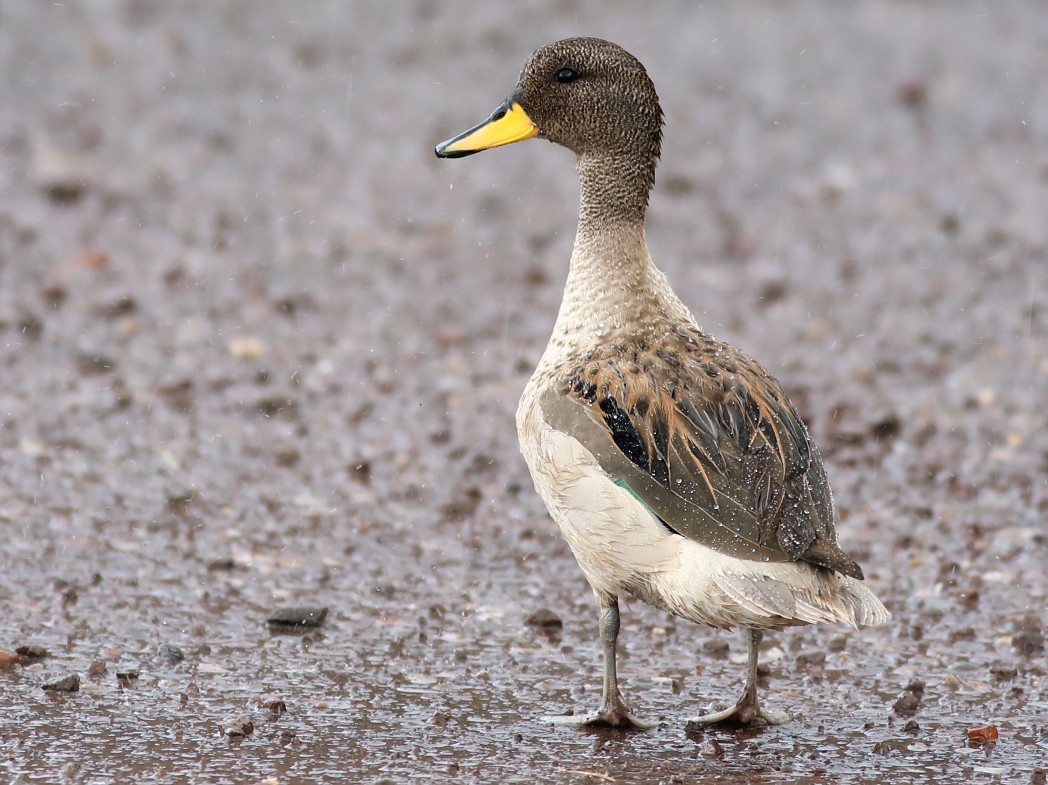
x: 586, y: 94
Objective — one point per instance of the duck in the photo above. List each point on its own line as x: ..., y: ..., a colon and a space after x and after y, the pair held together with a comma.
x: 674, y: 464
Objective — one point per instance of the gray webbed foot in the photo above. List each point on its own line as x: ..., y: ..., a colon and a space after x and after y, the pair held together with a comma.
x: 742, y: 713
x: 614, y: 714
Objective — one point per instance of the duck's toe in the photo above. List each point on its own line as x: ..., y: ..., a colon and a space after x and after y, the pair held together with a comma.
x: 615, y: 715
x: 742, y: 713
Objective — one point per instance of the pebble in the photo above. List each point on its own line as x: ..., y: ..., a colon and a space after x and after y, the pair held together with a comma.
x: 238, y: 727
x: 274, y: 704
x: 837, y: 643
x: 65, y: 684
x: 91, y: 259
x: 298, y: 616
x: 916, y: 686
x: 247, y: 348
x: 1003, y: 672
x: 172, y: 654
x: 288, y: 737
x: 716, y: 647
x: 912, y: 93
x: 8, y: 657
x: 546, y: 619
x: 910, y: 700
x: 1028, y: 643
x: 32, y: 652
x: 711, y: 749
x: 810, y: 659
x: 272, y: 405
x: 982, y: 734
x: 127, y: 674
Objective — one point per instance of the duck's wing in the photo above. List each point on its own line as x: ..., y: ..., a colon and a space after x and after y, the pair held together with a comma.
x: 707, y: 440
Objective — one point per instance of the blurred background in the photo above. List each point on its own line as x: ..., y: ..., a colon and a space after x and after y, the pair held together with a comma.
x: 260, y: 348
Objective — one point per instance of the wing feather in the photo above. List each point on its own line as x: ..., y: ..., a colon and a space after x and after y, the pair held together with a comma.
x: 705, y: 437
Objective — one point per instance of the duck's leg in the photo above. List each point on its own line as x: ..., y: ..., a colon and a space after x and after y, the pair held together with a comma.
x: 613, y: 710
x: 748, y: 708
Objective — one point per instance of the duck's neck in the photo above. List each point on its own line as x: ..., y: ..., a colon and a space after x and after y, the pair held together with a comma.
x: 613, y: 287
x: 614, y: 188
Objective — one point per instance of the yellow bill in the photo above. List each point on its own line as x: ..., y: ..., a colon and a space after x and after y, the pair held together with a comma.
x: 507, y: 124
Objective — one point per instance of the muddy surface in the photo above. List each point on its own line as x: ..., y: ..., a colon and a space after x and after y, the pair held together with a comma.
x: 261, y: 349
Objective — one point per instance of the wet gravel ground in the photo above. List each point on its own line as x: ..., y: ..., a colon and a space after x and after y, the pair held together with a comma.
x: 261, y: 349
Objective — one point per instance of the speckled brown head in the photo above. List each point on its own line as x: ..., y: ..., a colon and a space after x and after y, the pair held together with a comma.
x: 586, y: 94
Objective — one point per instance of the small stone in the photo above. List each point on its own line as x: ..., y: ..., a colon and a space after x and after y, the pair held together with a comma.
x: 91, y: 362
x: 711, y: 749
x: 122, y: 305
x: 961, y: 634
x: 246, y: 348
x: 982, y: 734
x: 180, y: 499
x: 1003, y: 672
x: 912, y: 93
x: 906, y: 705
x: 837, y: 643
x: 91, y: 260
x: 274, y: 704
x: 810, y: 659
x: 916, y: 686
x: 8, y: 657
x: 65, y: 684
x: 440, y: 719
x: 238, y: 727
x: 97, y: 669
x: 31, y: 447
x: 30, y: 326
x: 170, y: 653
x: 716, y: 648
x: 911, y: 727
x: 546, y: 619
x: 272, y: 405
x: 288, y: 736
x: 298, y: 616
x: 55, y: 293
x: 287, y: 458
x: 32, y: 652
x: 1028, y: 643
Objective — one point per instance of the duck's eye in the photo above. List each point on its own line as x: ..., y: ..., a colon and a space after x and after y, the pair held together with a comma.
x: 567, y: 75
